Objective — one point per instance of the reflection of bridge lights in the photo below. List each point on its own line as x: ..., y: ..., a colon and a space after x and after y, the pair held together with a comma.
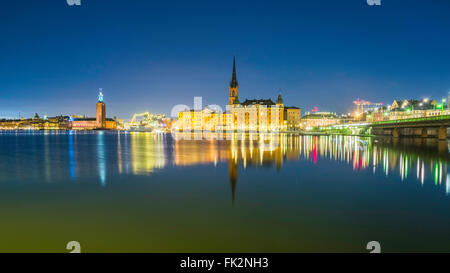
x: 447, y: 190
x: 423, y: 172
x: 357, y: 152
x: 437, y: 173
x: 418, y: 168
x: 386, y: 162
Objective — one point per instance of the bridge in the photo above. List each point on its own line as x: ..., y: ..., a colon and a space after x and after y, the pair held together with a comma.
x: 434, y: 126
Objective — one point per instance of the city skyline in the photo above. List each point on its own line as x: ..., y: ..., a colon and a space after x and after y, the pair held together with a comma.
x: 230, y: 135
x: 143, y: 63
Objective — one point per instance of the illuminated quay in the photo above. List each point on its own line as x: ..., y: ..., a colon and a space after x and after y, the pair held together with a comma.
x: 264, y: 116
x: 100, y: 122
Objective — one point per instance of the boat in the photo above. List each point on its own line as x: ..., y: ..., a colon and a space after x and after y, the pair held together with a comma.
x: 140, y: 129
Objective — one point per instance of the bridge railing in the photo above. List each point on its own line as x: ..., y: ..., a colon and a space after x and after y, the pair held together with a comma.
x: 397, y: 121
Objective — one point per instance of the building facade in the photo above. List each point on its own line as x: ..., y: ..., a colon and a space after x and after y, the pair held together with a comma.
x: 319, y: 119
x: 36, y: 123
x: 292, y: 117
x: 405, y: 109
x: 259, y: 115
x: 100, y: 122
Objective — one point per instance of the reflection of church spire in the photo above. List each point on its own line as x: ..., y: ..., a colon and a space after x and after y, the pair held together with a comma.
x: 233, y: 173
x: 279, y: 163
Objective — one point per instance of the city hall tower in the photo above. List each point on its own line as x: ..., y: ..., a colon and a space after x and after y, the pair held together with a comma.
x: 100, y: 119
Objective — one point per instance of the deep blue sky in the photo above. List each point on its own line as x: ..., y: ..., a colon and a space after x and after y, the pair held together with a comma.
x: 151, y: 55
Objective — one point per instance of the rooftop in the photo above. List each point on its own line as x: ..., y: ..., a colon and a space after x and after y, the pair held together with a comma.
x: 267, y: 102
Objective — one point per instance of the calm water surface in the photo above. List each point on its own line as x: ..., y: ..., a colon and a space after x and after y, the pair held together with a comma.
x: 118, y: 192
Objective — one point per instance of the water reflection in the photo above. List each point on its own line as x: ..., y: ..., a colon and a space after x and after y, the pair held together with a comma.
x: 424, y: 157
x: 72, y: 163
x: 101, y: 157
x: 61, y: 156
x: 47, y: 164
x: 147, y: 152
x: 448, y: 184
x: 323, y: 192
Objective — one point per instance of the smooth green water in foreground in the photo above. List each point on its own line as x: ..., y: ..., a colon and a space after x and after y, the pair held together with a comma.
x: 116, y: 192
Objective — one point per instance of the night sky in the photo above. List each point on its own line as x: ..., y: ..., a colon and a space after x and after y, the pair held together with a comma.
x: 151, y: 55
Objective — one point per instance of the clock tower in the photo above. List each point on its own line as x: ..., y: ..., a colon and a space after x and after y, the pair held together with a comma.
x: 101, y: 112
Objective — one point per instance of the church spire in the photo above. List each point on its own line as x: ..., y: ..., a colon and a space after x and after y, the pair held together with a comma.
x: 234, y: 82
x: 234, y: 87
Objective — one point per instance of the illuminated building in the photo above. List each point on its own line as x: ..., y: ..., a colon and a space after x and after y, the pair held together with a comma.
x: 184, y: 121
x: 292, y: 117
x: 100, y: 122
x: 319, y: 119
x: 36, y: 123
x: 101, y: 112
x: 404, y: 109
x: 257, y: 115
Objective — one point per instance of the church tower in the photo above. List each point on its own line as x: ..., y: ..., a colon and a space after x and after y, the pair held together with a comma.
x: 101, y: 112
x: 234, y: 86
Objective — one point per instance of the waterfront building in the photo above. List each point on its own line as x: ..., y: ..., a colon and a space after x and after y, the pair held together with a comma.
x: 36, y: 123
x: 100, y: 113
x: 100, y: 122
x: 404, y: 109
x: 258, y: 115
x: 319, y: 119
x: 399, y: 113
x: 292, y: 117
x: 413, y: 104
x: 378, y: 115
x: 184, y: 121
